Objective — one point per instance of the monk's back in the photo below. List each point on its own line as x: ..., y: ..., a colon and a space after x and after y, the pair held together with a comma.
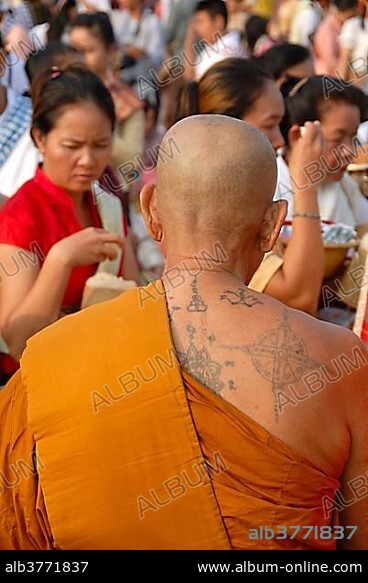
x: 280, y: 367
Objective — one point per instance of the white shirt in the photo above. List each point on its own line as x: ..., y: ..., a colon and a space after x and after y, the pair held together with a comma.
x: 305, y: 22
x: 98, y: 5
x: 146, y: 34
x: 165, y: 9
x: 14, y: 74
x: 354, y: 37
x: 341, y: 202
x: 226, y: 46
x: 20, y: 166
x: 40, y: 31
x: 283, y: 187
x: 363, y: 133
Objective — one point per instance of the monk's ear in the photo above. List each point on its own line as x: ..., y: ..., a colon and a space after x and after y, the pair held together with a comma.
x: 148, y: 200
x: 271, y: 224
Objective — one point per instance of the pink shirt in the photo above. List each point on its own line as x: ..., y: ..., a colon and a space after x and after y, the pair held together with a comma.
x: 326, y: 46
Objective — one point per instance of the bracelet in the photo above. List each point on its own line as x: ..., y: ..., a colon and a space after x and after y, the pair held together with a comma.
x: 307, y: 215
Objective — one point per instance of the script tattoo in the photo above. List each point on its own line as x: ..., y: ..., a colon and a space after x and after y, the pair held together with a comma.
x: 280, y: 356
x: 197, y: 304
x: 198, y: 363
x: 172, y: 311
x: 240, y: 297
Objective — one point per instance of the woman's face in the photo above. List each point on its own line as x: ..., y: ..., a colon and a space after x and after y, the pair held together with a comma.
x: 78, y: 148
x: 97, y: 56
x: 339, y: 125
x: 267, y: 113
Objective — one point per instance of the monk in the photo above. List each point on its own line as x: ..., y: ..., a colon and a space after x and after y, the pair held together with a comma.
x: 192, y: 413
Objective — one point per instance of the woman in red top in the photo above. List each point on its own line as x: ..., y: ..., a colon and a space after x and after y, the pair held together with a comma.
x: 51, y: 236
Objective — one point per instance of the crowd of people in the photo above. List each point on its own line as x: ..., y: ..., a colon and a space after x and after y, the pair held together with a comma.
x: 211, y: 155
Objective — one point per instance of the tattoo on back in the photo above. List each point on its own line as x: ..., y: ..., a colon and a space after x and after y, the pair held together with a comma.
x: 172, y: 311
x: 240, y: 297
x: 280, y: 356
x: 199, y: 363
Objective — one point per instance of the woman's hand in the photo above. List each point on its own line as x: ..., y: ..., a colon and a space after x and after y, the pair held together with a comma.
x: 308, y: 145
x: 87, y: 247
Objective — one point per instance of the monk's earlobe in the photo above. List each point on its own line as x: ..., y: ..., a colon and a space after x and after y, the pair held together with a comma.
x: 271, y: 225
x: 148, y: 200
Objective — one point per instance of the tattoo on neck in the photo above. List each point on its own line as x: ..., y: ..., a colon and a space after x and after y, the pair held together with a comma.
x: 196, y: 304
x: 240, y: 297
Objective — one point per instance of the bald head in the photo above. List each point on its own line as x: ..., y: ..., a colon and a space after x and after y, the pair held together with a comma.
x: 216, y: 174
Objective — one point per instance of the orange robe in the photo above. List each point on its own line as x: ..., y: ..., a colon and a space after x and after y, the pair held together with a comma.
x: 265, y: 483
x: 131, y: 453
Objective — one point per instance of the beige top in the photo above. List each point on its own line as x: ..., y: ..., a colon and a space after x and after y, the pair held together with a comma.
x: 271, y: 263
x: 128, y: 144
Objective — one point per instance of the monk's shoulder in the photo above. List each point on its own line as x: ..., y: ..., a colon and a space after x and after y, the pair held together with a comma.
x: 330, y: 336
x: 323, y: 338
x: 92, y: 325
x: 329, y: 342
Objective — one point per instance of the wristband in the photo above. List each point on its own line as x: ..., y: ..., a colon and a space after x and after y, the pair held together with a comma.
x: 307, y: 215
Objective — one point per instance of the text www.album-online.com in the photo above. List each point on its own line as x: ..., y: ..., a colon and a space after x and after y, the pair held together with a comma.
x: 303, y: 567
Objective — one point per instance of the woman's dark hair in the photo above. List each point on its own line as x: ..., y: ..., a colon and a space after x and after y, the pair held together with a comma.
x: 280, y: 58
x: 55, y: 89
x: 229, y: 88
x: 40, y: 11
x: 310, y: 98
x: 363, y: 15
x: 61, y: 19
x: 54, y: 54
x: 343, y: 5
x: 98, y: 23
x: 255, y: 27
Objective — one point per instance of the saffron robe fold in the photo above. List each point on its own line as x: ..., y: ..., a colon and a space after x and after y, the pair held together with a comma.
x: 105, y: 443
x: 264, y: 483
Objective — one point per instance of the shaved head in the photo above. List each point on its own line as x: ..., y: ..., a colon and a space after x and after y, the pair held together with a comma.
x: 217, y: 180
